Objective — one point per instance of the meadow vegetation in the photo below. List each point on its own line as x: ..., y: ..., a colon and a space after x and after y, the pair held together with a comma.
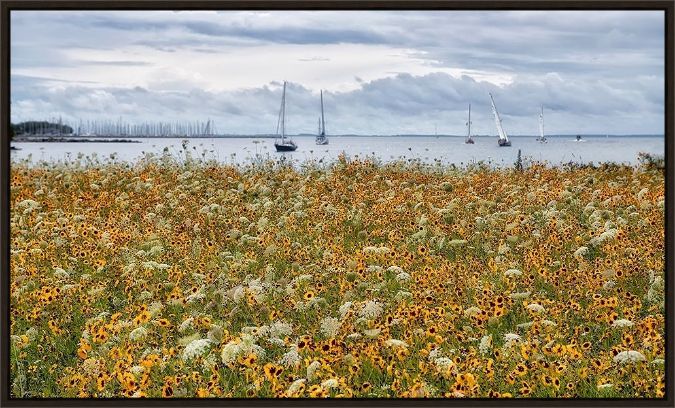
x: 188, y: 278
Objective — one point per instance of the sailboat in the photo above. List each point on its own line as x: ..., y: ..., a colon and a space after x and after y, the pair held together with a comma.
x: 469, y: 140
x: 503, y: 139
x: 281, y: 143
x: 541, y: 137
x: 321, y: 138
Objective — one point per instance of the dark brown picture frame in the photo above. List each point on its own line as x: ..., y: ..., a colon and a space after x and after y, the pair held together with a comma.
x: 668, y: 7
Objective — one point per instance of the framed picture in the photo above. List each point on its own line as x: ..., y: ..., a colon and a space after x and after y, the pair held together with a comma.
x: 276, y: 202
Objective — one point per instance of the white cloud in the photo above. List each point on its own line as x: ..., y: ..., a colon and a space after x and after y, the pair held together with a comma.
x: 383, y: 72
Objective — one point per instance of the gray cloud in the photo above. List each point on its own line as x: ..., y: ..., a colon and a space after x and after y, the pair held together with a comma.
x: 593, y: 71
x: 314, y: 59
x: 402, y: 104
x: 114, y: 63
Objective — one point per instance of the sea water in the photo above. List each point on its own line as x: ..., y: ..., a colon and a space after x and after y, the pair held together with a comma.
x: 430, y: 149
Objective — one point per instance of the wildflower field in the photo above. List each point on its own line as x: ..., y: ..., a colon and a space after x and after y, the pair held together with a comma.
x: 188, y: 278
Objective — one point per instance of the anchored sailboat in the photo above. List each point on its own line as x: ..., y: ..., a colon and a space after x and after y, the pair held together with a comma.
x: 321, y: 138
x: 280, y: 142
x: 469, y: 140
x: 541, y: 137
x: 503, y: 139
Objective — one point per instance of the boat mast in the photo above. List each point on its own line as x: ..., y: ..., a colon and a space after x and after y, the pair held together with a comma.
x: 468, y: 124
x: 323, y: 123
x: 283, y: 115
x: 498, y: 120
x: 541, y: 123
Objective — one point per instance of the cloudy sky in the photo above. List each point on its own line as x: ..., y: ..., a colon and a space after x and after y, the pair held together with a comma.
x: 382, y: 72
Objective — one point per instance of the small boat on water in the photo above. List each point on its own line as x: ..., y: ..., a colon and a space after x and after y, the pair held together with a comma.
x: 281, y: 143
x: 321, y: 138
x: 503, y: 138
x: 541, y: 137
x: 469, y: 139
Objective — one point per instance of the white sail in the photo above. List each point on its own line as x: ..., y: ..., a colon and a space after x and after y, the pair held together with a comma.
x: 321, y: 138
x: 283, y: 145
x: 281, y: 121
x: 498, y: 121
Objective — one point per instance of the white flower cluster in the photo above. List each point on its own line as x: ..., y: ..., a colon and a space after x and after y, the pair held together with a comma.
x: 548, y: 323
x: 138, y: 334
x: 473, y: 310
x: 606, y: 236
x: 435, y: 353
x: 155, y: 266
x: 525, y: 325
x: 372, y: 333
x: 520, y: 295
x: 630, y: 356
x: 237, y: 293
x: 656, y: 287
x: 485, y: 344
x: 512, y: 273
x: 236, y: 348
x: 330, y: 326
x: 510, y: 339
x: 536, y: 307
x: 444, y: 363
x: 395, y: 269
x: 330, y: 384
x: 186, y: 324
x: 622, y: 323
x: 280, y: 329
x: 371, y: 310
x: 305, y: 278
x: 581, y: 252
x: 376, y: 250
x: 402, y: 295
x: 30, y: 206
x: 344, y: 309
x: 196, y: 348
x: 396, y: 343
x: 61, y: 273
x: 195, y: 297
x: 403, y: 277
x: 311, y: 370
x: 156, y: 250
x: 258, y: 290
x: 296, y: 386
x: 291, y: 358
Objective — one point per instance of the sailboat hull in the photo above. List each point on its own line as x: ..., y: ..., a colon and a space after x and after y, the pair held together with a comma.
x: 285, y: 147
x: 469, y: 141
x: 504, y: 143
x: 322, y: 140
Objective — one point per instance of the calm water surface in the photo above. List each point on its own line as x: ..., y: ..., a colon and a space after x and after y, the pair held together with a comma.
x: 558, y: 149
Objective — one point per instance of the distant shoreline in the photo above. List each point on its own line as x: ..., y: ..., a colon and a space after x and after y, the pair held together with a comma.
x: 133, y: 139
x: 72, y: 140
